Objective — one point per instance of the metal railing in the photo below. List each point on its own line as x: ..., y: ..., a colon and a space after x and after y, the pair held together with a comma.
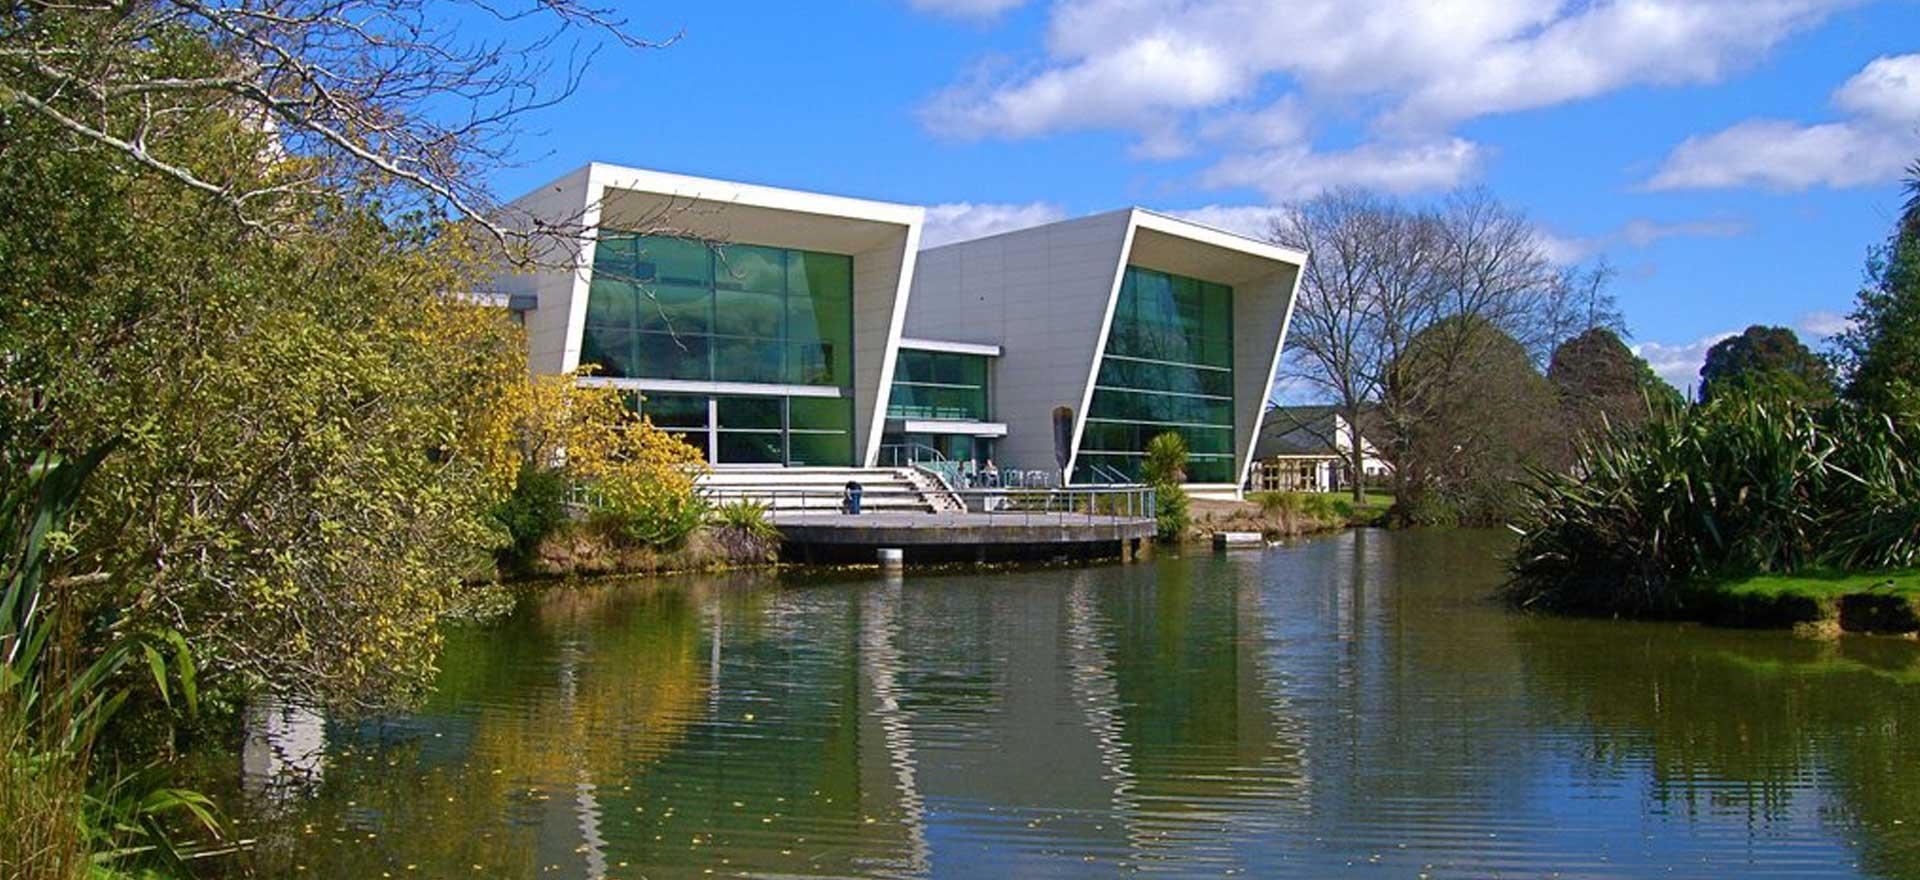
x: 1080, y: 505
x: 904, y: 454
x: 1107, y: 474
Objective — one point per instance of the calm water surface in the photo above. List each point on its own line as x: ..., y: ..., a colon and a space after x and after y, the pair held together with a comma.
x: 1351, y: 705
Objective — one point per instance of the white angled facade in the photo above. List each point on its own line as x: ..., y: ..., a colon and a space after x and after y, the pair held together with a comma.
x: 759, y: 323
x: 776, y: 327
x: 1136, y: 322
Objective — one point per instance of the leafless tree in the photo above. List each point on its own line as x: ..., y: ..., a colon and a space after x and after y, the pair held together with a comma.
x: 386, y: 96
x: 1578, y: 300
x: 1382, y: 275
x: 1370, y: 284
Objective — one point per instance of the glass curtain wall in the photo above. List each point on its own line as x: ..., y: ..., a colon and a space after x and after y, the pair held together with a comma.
x: 661, y: 307
x: 939, y: 385
x: 676, y: 308
x: 756, y: 429
x: 1167, y: 368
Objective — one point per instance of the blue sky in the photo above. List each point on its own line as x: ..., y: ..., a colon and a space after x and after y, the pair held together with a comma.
x: 1733, y: 158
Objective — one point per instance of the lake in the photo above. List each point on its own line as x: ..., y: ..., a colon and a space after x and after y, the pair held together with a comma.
x: 1347, y: 705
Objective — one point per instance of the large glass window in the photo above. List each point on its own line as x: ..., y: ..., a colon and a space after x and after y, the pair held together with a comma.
x: 938, y: 385
x: 1168, y: 368
x: 752, y: 429
x: 675, y: 308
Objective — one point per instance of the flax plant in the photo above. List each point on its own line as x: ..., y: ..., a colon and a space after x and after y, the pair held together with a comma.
x: 1748, y: 484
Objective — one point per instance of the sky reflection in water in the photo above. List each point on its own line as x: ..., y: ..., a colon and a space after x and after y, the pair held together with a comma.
x: 1344, y: 705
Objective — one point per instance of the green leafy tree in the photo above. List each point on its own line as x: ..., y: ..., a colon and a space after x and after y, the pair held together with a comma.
x: 1599, y: 382
x: 308, y: 443
x: 1880, y: 350
x: 1486, y: 418
x: 1766, y: 357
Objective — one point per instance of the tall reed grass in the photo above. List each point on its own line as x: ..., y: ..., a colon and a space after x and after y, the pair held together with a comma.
x: 68, y: 811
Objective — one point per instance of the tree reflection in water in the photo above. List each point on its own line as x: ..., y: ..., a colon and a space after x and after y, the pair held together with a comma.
x: 1340, y: 702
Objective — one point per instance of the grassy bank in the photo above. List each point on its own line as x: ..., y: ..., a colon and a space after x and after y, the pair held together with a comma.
x: 1885, y: 602
x: 1284, y: 514
x: 585, y: 548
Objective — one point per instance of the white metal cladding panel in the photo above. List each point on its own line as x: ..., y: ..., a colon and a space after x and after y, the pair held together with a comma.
x: 880, y: 289
x: 548, y: 333
x: 1260, y: 312
x: 881, y: 238
x: 1041, y: 294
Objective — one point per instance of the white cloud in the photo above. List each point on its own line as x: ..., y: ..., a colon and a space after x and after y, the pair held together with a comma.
x: 1636, y: 233
x: 1679, y: 363
x: 1128, y: 88
x: 1785, y: 155
x: 1253, y: 221
x: 1592, y: 49
x: 1176, y: 72
x: 1887, y: 88
x: 1562, y: 250
x: 1818, y: 325
x: 982, y: 9
x: 1299, y: 172
x: 962, y: 221
x: 1278, y: 124
x: 1873, y: 145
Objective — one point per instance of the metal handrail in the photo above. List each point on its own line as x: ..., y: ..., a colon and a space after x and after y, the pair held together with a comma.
x: 1103, y: 474
x: 1087, y: 505
x: 912, y: 449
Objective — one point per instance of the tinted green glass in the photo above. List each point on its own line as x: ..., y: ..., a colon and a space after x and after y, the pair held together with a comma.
x: 820, y: 414
x: 672, y: 308
x: 739, y: 313
x: 939, y: 385
x: 610, y: 304
x: 820, y: 276
x: 675, y: 410
x: 913, y: 366
x: 746, y: 267
x: 820, y: 316
x: 809, y: 364
x: 671, y: 260
x: 610, y: 352
x: 791, y: 311
x: 740, y: 359
x: 823, y: 449
x: 750, y: 447
x: 615, y: 254
x: 671, y: 356
x: 754, y: 429
x: 822, y: 331
x: 1167, y: 368
x: 749, y: 412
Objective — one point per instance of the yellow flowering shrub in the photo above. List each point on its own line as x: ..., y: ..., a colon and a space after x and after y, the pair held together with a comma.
x: 632, y: 475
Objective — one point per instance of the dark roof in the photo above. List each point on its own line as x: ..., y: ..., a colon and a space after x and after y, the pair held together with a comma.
x: 1296, y: 430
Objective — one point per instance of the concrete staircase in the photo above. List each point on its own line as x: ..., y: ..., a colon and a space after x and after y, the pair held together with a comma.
x: 938, y: 496
x: 820, y: 489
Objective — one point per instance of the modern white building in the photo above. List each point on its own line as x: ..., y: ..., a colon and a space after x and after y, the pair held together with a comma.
x: 776, y: 327
x: 1136, y: 322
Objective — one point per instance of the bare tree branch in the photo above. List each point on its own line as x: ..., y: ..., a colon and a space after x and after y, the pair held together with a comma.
x: 387, y: 99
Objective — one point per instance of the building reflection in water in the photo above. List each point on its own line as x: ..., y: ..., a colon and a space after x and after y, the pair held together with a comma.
x: 1285, y: 712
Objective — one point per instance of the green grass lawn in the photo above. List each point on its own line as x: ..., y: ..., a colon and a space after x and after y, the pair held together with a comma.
x: 1826, y: 585
x: 1376, y: 499
x: 1329, y: 504
x: 1877, y: 601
